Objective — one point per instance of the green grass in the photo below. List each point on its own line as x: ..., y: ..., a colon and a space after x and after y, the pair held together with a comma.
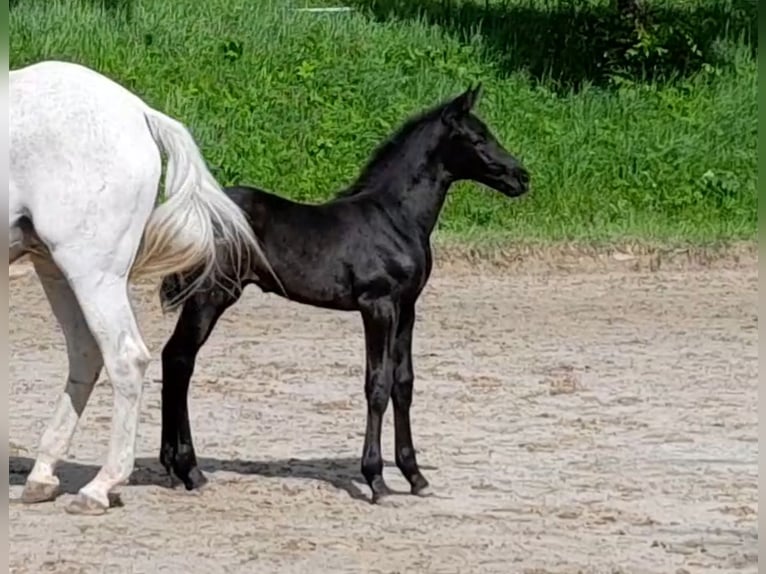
x: 661, y: 151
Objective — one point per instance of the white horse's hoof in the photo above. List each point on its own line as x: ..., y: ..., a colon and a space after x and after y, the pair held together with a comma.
x: 85, y: 505
x: 35, y: 492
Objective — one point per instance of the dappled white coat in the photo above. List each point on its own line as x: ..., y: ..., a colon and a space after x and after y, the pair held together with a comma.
x: 85, y: 170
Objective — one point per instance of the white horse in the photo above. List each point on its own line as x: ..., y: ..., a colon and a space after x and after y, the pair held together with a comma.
x: 85, y: 169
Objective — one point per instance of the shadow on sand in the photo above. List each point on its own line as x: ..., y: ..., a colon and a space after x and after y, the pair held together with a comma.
x: 343, y: 473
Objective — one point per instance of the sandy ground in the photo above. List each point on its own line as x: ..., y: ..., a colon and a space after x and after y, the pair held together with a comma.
x: 568, y: 422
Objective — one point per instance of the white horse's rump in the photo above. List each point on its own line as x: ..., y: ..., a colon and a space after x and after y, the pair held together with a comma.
x: 181, y: 233
x: 84, y: 179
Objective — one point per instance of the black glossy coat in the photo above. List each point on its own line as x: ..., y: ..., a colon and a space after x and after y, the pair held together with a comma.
x: 367, y: 250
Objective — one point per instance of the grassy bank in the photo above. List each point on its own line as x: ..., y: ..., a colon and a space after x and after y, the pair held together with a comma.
x: 642, y: 147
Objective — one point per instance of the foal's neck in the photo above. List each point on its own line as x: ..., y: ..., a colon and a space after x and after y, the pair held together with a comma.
x: 415, y: 186
x: 422, y: 198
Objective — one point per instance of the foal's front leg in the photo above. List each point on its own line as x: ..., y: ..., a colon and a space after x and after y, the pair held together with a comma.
x: 402, y: 398
x: 380, y: 319
x: 198, y: 317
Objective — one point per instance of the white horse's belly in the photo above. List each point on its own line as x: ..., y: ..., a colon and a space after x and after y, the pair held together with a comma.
x: 16, y: 246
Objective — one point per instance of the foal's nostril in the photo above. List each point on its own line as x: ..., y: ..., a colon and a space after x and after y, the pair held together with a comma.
x: 521, y: 180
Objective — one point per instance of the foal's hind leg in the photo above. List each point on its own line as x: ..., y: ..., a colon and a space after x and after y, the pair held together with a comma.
x: 85, y: 365
x: 198, y: 317
x: 401, y: 396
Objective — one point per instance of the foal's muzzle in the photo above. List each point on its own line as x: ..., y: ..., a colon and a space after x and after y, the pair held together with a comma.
x: 516, y: 182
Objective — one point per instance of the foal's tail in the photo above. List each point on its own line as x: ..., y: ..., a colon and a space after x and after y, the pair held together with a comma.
x: 182, y: 233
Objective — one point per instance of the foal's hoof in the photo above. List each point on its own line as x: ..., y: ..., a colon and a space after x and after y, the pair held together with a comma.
x: 85, y: 505
x: 195, y: 480
x: 381, y: 494
x: 424, y: 492
x: 420, y: 487
x: 35, y: 492
x: 388, y: 501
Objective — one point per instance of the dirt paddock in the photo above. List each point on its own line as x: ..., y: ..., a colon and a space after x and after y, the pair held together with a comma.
x: 592, y: 420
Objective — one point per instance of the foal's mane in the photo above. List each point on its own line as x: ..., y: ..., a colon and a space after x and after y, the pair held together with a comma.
x: 391, y: 146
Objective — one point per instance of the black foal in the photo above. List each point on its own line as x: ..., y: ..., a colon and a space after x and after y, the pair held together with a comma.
x: 367, y: 250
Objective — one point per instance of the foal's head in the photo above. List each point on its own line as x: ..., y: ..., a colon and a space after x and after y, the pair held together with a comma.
x: 471, y: 151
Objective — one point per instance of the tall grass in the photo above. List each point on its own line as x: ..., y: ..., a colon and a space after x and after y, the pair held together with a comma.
x: 295, y: 102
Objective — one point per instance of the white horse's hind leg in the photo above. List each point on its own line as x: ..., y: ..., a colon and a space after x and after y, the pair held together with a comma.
x: 97, y: 272
x: 104, y: 300
x: 85, y: 364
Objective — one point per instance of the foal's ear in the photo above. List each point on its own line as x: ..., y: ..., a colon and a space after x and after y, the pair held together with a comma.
x: 463, y: 104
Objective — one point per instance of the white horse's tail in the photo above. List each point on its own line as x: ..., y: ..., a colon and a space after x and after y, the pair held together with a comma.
x: 183, y: 233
